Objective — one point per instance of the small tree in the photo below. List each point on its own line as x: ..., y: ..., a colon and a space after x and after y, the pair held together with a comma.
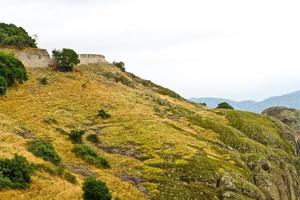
x: 94, y: 189
x: 120, y: 65
x: 65, y: 59
x: 225, y: 105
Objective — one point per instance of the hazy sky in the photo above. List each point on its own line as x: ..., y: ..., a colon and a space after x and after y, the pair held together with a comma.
x: 238, y: 49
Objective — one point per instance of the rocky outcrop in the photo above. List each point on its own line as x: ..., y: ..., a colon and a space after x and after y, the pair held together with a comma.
x: 288, y: 116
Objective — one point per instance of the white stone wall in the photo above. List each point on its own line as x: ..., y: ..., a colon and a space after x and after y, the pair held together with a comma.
x: 86, y: 59
x: 32, y: 57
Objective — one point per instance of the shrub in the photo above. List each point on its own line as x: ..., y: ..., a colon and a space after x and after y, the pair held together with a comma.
x: 50, y: 120
x: 118, y: 77
x: 224, y: 105
x: 65, y: 59
x: 88, y: 154
x: 15, y: 172
x: 3, y: 86
x: 44, y: 149
x: 11, y: 71
x: 94, y: 189
x: 11, y: 35
x: 70, y: 177
x: 76, y: 136
x: 44, y: 81
x: 120, y: 65
x: 103, y: 114
x: 93, y: 138
x: 203, y: 104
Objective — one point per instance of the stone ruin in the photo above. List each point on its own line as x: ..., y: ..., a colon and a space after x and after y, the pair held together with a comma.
x: 40, y: 58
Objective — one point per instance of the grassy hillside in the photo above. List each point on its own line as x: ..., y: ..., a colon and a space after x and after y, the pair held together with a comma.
x: 159, y: 146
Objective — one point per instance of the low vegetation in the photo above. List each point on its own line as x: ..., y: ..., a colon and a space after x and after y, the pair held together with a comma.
x: 44, y: 149
x: 70, y: 177
x: 76, y: 136
x: 65, y: 59
x: 44, y: 81
x: 120, y: 65
x: 88, y: 154
x: 103, y: 114
x: 93, y: 138
x: 94, y: 189
x: 11, y: 35
x: 11, y: 71
x: 15, y: 172
x: 159, y: 146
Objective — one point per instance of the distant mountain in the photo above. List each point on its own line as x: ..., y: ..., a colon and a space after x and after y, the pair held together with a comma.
x: 291, y: 100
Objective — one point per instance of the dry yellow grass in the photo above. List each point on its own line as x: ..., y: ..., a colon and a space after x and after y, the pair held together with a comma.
x: 73, y: 105
x: 146, y: 130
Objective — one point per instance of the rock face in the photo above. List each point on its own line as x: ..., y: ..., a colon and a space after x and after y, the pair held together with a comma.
x: 288, y: 116
x: 290, y: 181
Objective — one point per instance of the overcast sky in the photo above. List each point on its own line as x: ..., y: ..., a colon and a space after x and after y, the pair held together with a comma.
x: 239, y: 49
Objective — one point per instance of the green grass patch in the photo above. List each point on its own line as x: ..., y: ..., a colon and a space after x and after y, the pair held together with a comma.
x: 88, y: 154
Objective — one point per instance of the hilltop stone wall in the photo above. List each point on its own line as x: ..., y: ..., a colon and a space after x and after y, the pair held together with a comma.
x: 34, y: 58
x: 86, y: 59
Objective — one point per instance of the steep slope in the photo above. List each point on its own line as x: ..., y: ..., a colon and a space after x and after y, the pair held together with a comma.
x: 288, y: 116
x: 159, y: 145
x: 291, y: 100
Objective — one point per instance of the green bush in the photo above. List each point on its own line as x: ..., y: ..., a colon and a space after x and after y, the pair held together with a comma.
x: 85, y: 152
x: 15, y: 172
x: 94, y: 189
x: 44, y: 149
x: 11, y: 71
x: 120, y: 65
x: 44, y: 81
x: 70, y: 177
x: 76, y: 136
x: 203, y: 104
x: 11, y: 35
x: 3, y: 86
x: 118, y: 77
x: 224, y: 105
x: 93, y: 138
x: 103, y: 114
x: 65, y: 59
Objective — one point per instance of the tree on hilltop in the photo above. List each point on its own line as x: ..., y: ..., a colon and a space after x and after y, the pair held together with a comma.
x: 224, y: 105
x: 11, y: 35
x: 65, y: 59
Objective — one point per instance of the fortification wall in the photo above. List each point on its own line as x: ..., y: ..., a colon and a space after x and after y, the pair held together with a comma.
x: 86, y: 59
x: 32, y: 57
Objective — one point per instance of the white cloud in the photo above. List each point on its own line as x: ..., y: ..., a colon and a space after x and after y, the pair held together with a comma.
x: 236, y: 48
